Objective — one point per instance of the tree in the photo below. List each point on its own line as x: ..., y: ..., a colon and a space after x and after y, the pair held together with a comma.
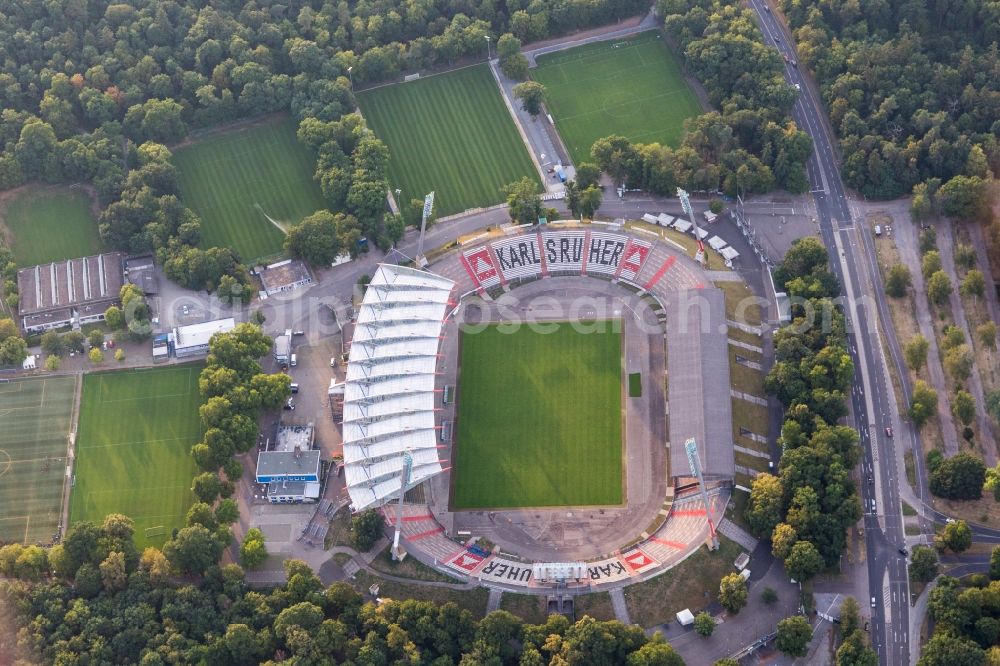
x: 974, y: 284
x: 783, y: 538
x: 854, y: 651
x: 930, y: 263
x: 206, y: 487
x: 52, y: 343
x: 96, y: 356
x: 956, y: 536
x: 113, y: 573
x: 193, y: 550
x: 201, y: 513
x: 923, y: 403
x: 318, y: 238
x: 898, y: 280
x: 366, y: 529
x: 590, y: 201
x: 13, y: 351
x: 994, y: 563
x: 987, y: 334
x: 947, y: 649
x: 850, y: 616
x: 73, y: 341
x: 958, y: 361
x: 572, y: 198
x: 803, y: 561
x: 963, y: 407
x: 923, y: 564
x: 587, y: 174
x: 119, y: 354
x: 794, y: 634
x: 916, y: 352
x: 938, y: 288
x: 733, y: 592
x: 95, y: 338
x: 52, y: 363
x: 8, y: 329
x: 227, y: 512
x: 532, y: 95
x: 769, y: 596
x: 524, y: 204
x: 964, y: 197
x: 764, y: 509
x: 155, y: 562
x: 253, y: 552
x: 113, y: 318
x: 959, y: 477
x: 704, y: 624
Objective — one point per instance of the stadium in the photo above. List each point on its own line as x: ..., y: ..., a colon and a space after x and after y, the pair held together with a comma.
x: 549, y: 399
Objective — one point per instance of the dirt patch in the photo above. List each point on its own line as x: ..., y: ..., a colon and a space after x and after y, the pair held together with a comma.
x: 239, y: 125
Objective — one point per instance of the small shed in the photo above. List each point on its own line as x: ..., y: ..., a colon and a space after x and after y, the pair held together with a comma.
x: 685, y: 617
x: 716, y: 243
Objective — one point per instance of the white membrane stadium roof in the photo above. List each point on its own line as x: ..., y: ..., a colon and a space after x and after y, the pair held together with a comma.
x: 389, y: 391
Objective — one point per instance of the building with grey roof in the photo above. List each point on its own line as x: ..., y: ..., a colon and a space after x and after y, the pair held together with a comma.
x: 285, y: 276
x: 141, y: 272
x: 698, y: 394
x: 71, y: 292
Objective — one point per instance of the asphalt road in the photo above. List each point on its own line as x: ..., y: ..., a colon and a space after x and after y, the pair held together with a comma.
x: 887, y: 576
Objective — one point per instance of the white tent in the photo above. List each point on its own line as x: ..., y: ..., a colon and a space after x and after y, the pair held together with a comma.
x: 389, y: 390
x: 649, y: 217
x: 665, y: 220
x: 701, y: 233
x: 729, y: 253
x: 716, y: 243
x: 682, y: 226
x: 685, y: 617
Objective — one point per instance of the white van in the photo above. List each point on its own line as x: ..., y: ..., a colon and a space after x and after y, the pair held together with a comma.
x: 294, y: 361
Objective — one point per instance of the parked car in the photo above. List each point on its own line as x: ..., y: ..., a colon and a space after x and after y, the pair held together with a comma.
x: 888, y: 431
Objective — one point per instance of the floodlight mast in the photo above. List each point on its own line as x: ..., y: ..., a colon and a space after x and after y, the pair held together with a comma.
x: 404, y: 481
x: 686, y: 205
x: 691, y: 448
x: 428, y: 207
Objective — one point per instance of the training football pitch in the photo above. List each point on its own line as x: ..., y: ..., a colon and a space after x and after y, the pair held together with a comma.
x: 236, y: 179
x: 36, y: 415
x: 50, y: 224
x: 539, y: 419
x: 631, y: 87
x: 449, y: 133
x: 133, y: 450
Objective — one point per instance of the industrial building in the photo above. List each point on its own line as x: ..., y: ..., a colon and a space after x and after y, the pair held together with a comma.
x: 193, y: 340
x: 69, y: 293
x: 292, y: 468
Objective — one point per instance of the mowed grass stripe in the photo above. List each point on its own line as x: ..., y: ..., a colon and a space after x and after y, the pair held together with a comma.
x: 223, y: 176
x: 36, y: 416
x: 134, y: 448
x: 49, y: 224
x: 631, y: 87
x: 450, y: 133
x: 539, y: 420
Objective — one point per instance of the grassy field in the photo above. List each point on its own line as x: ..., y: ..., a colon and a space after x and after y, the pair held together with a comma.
x: 133, y: 451
x: 632, y: 87
x: 236, y: 180
x: 450, y: 133
x: 36, y: 415
x: 48, y: 224
x: 539, y: 419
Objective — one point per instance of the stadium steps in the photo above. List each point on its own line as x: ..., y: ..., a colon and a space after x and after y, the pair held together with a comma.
x: 420, y: 528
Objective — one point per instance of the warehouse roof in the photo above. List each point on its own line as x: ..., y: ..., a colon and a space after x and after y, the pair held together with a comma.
x: 73, y: 283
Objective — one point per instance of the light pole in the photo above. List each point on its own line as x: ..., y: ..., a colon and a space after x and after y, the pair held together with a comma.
x: 488, y: 57
x: 351, y: 76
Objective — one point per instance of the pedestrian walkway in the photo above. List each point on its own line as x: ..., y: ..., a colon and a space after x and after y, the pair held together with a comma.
x: 746, y: 328
x: 723, y: 276
x: 747, y: 346
x: 738, y: 534
x: 747, y: 397
x: 493, y: 602
x: 621, y: 609
x: 751, y: 452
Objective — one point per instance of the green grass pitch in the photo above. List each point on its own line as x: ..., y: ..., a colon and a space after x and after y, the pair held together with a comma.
x: 450, y: 133
x: 36, y: 415
x: 631, y: 87
x: 133, y: 450
x: 539, y: 419
x: 235, y: 180
x: 50, y: 224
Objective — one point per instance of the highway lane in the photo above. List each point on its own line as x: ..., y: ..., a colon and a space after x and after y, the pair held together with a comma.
x: 888, y: 582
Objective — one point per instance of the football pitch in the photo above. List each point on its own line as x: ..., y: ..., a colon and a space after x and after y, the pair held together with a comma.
x: 50, y: 224
x: 133, y: 449
x: 631, y: 87
x: 449, y: 133
x: 36, y: 415
x: 237, y: 179
x: 539, y: 419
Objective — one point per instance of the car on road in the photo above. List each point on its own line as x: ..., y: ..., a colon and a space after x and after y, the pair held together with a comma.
x: 798, y: 87
x: 888, y: 431
x: 949, y: 521
x: 873, y: 602
x: 904, y: 552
